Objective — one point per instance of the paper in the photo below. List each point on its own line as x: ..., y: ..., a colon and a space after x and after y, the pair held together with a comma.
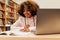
x: 17, y: 32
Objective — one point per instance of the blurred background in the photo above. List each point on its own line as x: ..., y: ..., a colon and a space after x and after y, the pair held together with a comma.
x: 8, y: 12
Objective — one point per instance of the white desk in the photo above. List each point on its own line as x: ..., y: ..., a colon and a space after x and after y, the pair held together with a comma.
x: 31, y: 36
x: 28, y: 36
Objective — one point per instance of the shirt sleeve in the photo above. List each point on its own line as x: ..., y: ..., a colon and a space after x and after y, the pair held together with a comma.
x: 16, y: 24
x: 33, y: 28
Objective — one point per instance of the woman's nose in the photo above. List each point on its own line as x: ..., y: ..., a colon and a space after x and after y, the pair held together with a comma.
x: 26, y: 12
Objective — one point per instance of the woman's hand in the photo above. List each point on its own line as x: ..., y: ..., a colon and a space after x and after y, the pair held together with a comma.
x: 26, y: 28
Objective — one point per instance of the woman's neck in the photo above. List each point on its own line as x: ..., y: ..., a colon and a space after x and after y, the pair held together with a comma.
x: 29, y: 16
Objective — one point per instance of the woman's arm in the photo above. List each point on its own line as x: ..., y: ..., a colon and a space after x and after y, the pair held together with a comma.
x: 16, y: 24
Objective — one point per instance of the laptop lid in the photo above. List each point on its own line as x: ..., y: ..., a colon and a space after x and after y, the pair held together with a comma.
x: 48, y: 21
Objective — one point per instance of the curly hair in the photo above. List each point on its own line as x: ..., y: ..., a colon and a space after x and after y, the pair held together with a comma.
x: 32, y: 7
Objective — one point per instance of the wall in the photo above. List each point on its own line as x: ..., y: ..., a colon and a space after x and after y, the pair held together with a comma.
x: 48, y: 3
x: 45, y: 3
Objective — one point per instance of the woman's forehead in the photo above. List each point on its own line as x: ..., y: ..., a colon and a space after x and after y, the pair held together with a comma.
x: 26, y: 8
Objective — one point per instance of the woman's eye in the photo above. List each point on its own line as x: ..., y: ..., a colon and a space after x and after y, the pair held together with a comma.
x: 28, y: 10
x: 23, y: 10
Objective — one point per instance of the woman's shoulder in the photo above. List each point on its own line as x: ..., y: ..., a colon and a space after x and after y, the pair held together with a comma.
x: 35, y: 16
x: 21, y: 18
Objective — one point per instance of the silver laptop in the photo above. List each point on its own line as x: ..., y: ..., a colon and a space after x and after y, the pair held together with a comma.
x: 48, y: 21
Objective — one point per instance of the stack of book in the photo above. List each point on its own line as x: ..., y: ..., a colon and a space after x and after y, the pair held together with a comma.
x: 1, y: 14
x: 1, y: 22
x: 1, y: 6
x: 8, y: 9
x: 2, y: 1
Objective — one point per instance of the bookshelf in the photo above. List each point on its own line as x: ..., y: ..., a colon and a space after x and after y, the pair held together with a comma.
x: 8, y: 13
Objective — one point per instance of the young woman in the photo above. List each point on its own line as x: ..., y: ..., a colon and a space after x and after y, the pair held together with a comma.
x: 27, y: 19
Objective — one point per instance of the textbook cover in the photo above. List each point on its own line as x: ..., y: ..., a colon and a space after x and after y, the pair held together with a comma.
x: 29, y: 19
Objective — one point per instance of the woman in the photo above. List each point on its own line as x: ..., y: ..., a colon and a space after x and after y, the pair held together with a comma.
x: 27, y: 11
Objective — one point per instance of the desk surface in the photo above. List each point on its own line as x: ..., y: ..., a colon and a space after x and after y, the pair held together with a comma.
x: 28, y: 36
x: 31, y: 36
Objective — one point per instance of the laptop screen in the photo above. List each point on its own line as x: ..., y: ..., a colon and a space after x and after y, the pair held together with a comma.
x: 48, y: 21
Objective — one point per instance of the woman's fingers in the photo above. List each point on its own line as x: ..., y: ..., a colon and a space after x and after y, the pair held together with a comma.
x: 25, y: 30
x: 26, y: 26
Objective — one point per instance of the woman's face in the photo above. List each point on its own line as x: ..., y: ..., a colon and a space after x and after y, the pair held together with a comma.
x: 27, y: 13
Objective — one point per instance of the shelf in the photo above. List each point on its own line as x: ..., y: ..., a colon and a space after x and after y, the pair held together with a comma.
x: 14, y: 2
x: 2, y: 10
x: 10, y: 18
x: 10, y: 6
x: 2, y: 2
x: 10, y: 12
x: 7, y: 25
x: 1, y: 26
x: 4, y: 25
x: 2, y: 18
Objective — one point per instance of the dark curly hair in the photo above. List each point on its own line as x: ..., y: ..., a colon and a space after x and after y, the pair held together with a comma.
x: 32, y: 7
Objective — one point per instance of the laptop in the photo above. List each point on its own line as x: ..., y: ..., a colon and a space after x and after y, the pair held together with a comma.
x: 48, y: 21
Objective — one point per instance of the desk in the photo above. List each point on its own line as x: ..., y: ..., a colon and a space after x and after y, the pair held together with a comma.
x: 28, y: 36
x: 31, y: 37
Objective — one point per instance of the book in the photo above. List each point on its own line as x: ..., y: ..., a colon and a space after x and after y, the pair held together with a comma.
x: 7, y: 1
x: 1, y: 14
x: 2, y: 0
x: 1, y: 6
x: 8, y: 9
x: 1, y: 22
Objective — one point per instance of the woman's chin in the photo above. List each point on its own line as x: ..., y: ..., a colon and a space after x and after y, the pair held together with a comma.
x: 28, y: 16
